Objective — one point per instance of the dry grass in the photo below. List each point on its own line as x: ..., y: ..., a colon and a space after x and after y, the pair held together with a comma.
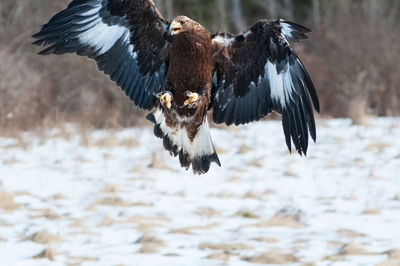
x: 349, y: 249
x: 223, y: 194
x: 393, y: 253
x: 79, y: 223
x: 117, y: 201
x: 107, y: 221
x: 110, y: 141
x: 289, y: 173
x: 11, y: 161
x: 253, y: 195
x: 378, y: 146
x: 171, y: 255
x: 48, y: 253
x: 221, y: 150
x: 7, y: 202
x: 207, y: 211
x: 256, y: 162
x: 56, y: 197
x: 45, y: 213
x: 308, y: 264
x: 283, y: 219
x: 354, y: 249
x: 110, y: 188
x: 188, y: 229
x: 147, y: 228
x: 129, y: 143
x: 83, y: 259
x: 336, y: 244
x: 81, y: 159
x: 374, y: 211
x: 389, y: 262
x: 150, y: 244
x: 245, y: 149
x: 20, y: 143
x: 266, y: 239
x: 4, y: 223
x: 224, y: 256
x: 143, y: 224
x: 349, y: 233
x: 247, y: 214
x: 393, y: 258
x: 44, y: 237
x: 225, y: 246
x: 272, y: 257
x: 144, y: 219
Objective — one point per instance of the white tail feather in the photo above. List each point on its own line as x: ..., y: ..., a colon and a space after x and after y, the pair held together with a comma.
x: 199, y: 153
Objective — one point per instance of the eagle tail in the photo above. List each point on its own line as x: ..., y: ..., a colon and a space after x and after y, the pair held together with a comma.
x: 198, y: 153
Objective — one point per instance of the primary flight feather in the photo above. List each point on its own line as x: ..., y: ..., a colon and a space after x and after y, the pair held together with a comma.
x: 180, y: 71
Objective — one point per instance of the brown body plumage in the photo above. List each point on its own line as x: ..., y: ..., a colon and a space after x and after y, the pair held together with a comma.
x: 190, y: 69
x: 180, y: 71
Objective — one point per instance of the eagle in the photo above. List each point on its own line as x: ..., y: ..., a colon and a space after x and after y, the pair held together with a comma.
x: 179, y: 72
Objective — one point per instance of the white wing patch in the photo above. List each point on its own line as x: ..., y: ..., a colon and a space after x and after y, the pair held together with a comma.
x: 281, y: 84
x: 102, y: 36
x: 286, y: 29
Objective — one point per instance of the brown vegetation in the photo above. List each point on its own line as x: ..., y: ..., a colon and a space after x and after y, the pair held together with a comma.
x: 352, y: 56
x: 353, y: 59
x: 224, y: 246
x: 272, y: 257
x: 44, y: 237
x: 39, y: 91
x: 150, y: 244
x: 7, y: 202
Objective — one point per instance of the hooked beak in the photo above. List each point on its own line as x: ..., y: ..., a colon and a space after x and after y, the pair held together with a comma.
x: 175, y: 27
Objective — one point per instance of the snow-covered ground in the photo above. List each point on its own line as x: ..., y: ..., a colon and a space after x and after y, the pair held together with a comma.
x: 117, y: 198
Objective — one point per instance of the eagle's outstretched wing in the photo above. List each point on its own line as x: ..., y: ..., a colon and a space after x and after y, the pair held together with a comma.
x: 257, y: 72
x: 127, y: 39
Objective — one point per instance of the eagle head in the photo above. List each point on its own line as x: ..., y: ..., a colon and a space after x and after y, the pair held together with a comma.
x: 182, y: 24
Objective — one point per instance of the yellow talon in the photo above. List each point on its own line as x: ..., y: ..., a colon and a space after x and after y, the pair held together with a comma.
x: 192, y: 97
x: 166, y: 99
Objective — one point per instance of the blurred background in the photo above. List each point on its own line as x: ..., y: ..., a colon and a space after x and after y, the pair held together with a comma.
x: 102, y: 191
x: 353, y: 57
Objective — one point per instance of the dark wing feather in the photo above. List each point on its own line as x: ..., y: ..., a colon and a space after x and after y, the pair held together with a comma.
x: 258, y: 72
x: 127, y: 39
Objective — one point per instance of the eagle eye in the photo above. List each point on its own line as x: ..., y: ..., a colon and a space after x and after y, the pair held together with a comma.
x: 182, y: 22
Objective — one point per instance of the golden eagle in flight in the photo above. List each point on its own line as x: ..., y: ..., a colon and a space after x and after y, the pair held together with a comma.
x: 180, y: 71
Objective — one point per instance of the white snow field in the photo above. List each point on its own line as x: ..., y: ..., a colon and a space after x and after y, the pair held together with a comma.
x: 118, y: 198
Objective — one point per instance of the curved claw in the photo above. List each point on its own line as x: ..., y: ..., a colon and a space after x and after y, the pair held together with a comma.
x: 165, y: 99
x: 193, y: 97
